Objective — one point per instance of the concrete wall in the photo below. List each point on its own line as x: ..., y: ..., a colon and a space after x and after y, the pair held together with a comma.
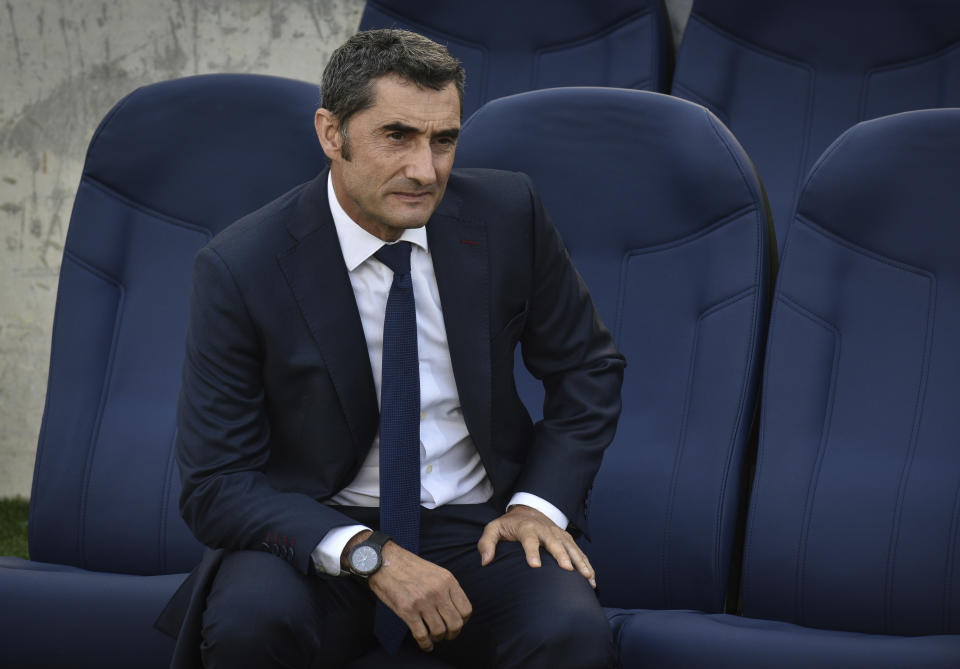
x: 64, y: 64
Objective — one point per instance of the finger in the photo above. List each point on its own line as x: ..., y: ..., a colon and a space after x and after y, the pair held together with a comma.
x: 582, y: 563
x: 531, y: 546
x: 419, y: 633
x: 488, y: 542
x: 452, y: 620
x: 559, y: 551
x: 460, y: 601
x: 436, y: 627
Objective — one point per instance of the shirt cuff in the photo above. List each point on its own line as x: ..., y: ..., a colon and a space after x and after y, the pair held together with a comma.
x: 541, y: 505
x: 326, y: 556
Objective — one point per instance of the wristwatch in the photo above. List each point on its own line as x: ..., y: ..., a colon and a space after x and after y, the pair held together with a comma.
x: 365, y: 558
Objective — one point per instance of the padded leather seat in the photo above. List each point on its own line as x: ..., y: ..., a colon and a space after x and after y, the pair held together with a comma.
x: 689, y: 639
x: 853, y: 539
x: 169, y: 166
x: 663, y: 216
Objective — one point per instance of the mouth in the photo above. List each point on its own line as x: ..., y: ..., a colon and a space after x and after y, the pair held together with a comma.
x: 412, y: 197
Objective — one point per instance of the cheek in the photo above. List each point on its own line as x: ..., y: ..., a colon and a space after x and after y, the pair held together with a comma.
x: 443, y: 164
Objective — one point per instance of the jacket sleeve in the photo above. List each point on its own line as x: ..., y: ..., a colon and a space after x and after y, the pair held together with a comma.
x: 566, y: 345
x: 223, y: 434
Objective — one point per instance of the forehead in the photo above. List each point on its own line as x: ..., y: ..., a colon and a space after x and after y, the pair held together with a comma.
x: 399, y: 99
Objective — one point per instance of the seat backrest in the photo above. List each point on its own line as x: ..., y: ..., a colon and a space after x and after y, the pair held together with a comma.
x: 508, y: 47
x: 788, y: 77
x: 663, y: 216
x: 169, y: 166
x: 854, y: 522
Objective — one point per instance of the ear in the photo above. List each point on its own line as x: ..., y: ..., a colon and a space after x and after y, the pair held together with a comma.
x: 328, y: 132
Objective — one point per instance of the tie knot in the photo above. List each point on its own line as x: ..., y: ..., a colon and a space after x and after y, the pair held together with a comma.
x: 395, y: 256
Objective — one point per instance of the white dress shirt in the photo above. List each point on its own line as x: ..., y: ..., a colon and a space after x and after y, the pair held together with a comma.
x: 451, y: 471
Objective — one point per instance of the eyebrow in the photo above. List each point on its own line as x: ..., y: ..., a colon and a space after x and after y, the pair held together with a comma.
x: 451, y: 133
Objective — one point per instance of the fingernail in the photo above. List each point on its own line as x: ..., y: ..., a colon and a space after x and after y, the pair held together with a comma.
x: 593, y: 582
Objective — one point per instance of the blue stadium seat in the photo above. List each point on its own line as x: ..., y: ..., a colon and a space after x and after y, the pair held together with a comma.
x: 509, y: 47
x: 664, y: 218
x: 169, y: 166
x: 788, y: 77
x: 852, y: 554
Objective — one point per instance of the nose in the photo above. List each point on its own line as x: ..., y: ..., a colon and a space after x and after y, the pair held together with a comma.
x: 420, y: 167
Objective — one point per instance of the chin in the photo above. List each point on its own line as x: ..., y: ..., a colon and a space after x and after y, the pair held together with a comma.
x: 411, y: 222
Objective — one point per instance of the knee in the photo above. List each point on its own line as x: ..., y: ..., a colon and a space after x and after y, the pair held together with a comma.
x: 576, y: 637
x: 252, y: 621
x: 239, y: 630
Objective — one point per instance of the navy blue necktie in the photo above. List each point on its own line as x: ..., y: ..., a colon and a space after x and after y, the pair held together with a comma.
x: 399, y: 425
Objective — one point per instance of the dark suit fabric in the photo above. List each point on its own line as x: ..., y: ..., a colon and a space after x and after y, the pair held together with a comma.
x: 278, y: 408
x: 522, y: 618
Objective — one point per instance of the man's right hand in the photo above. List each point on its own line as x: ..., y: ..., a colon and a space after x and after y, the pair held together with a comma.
x: 425, y: 596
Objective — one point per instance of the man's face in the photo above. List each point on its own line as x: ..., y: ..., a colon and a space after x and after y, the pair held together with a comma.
x: 400, y: 152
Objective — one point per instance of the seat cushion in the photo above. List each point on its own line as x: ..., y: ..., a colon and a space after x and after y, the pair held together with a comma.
x: 664, y: 639
x: 58, y: 616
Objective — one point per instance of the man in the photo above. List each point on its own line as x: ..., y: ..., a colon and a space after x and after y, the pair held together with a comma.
x: 392, y: 279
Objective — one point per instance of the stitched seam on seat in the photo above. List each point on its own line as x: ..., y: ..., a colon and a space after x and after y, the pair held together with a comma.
x: 862, y: 250
x: 749, y: 46
x: 681, y: 440
x: 600, y: 33
x: 681, y: 443
x: 917, y: 62
x: 105, y: 391
x: 680, y: 241
x: 902, y: 65
x: 821, y: 451
x: 596, y: 36
x: 164, y: 503
x: 708, y: 229
x: 952, y: 548
x: 748, y: 371
x: 908, y: 459
x: 41, y: 441
x: 153, y: 213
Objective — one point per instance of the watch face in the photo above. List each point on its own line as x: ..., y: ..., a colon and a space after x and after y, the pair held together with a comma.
x: 364, y: 559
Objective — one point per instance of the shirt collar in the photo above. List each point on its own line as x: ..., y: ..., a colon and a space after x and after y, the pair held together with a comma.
x: 356, y: 243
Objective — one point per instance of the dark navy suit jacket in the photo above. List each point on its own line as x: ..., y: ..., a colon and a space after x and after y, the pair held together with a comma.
x: 278, y: 408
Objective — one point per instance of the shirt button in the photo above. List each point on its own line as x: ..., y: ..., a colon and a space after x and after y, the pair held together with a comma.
x: 423, y: 415
x: 429, y: 468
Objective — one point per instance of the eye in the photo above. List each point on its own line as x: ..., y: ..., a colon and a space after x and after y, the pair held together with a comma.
x: 396, y: 135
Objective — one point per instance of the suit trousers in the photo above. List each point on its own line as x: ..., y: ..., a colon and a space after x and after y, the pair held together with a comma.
x: 261, y: 612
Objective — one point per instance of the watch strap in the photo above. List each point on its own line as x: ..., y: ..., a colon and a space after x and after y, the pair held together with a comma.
x: 377, y: 538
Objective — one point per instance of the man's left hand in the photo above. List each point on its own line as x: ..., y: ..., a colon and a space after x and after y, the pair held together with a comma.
x: 533, y: 530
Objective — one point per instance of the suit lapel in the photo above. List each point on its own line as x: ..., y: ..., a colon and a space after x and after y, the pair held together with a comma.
x: 461, y: 262
x: 317, y: 275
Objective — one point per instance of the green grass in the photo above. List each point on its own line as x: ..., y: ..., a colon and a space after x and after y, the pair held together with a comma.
x: 13, y: 527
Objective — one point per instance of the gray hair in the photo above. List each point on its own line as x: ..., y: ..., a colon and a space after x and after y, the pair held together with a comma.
x: 347, y: 86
